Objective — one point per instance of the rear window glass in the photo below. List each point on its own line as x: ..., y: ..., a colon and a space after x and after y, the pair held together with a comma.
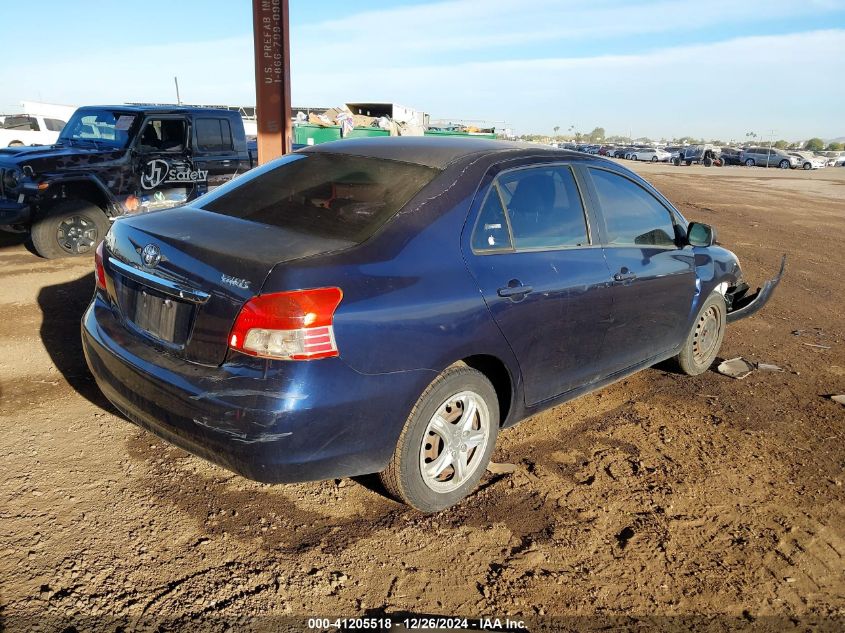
x: 322, y: 194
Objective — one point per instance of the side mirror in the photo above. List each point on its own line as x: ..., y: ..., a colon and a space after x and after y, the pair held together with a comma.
x: 699, y: 234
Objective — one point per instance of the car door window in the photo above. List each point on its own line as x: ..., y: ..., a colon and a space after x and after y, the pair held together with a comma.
x: 163, y: 135
x: 632, y: 216
x: 214, y: 135
x: 544, y: 208
x: 54, y: 125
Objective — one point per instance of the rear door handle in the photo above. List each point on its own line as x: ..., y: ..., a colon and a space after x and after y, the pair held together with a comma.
x: 624, y: 275
x: 514, y: 290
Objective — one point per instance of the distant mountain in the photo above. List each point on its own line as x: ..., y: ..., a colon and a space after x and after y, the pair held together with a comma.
x: 840, y: 139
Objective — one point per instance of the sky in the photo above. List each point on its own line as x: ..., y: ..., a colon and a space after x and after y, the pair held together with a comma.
x: 656, y: 68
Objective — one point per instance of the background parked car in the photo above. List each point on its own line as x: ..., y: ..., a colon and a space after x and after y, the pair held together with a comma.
x: 834, y: 158
x: 29, y: 129
x: 653, y: 154
x: 731, y: 156
x: 808, y: 160
x: 705, y: 154
x: 768, y: 157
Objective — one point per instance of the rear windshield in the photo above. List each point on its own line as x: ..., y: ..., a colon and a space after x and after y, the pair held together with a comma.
x: 322, y: 194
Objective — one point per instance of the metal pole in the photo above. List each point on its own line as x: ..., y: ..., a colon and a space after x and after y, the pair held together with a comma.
x: 178, y: 99
x: 271, y: 33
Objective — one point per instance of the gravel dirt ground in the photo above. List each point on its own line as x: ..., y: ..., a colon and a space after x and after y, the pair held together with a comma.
x: 659, y: 496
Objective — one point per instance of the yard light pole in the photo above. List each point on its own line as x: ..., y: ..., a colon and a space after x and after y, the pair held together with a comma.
x: 271, y: 35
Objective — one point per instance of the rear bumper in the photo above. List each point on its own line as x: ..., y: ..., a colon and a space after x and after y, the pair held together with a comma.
x: 271, y: 421
x: 743, y: 305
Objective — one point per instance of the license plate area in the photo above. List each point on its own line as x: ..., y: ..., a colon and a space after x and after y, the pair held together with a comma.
x: 153, y: 312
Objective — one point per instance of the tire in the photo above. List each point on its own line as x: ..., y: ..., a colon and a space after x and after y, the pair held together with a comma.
x: 654, y: 159
x: 71, y: 228
x: 419, y: 444
x: 807, y: 166
x: 688, y: 163
x: 708, y: 162
x: 676, y: 162
x: 702, y: 343
x: 749, y: 162
x: 16, y: 144
x: 784, y: 164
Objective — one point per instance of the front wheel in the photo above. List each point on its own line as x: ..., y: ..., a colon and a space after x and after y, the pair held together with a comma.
x: 749, y: 162
x: 784, y: 164
x: 807, y: 166
x: 71, y: 228
x: 705, y: 337
x: 446, y: 443
x: 654, y: 159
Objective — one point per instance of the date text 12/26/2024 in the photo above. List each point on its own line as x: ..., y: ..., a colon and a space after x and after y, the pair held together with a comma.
x: 418, y: 623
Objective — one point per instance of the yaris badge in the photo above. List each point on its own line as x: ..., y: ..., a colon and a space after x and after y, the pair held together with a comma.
x: 151, y: 256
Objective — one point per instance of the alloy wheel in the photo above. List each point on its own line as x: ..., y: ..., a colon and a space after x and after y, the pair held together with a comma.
x: 454, y: 442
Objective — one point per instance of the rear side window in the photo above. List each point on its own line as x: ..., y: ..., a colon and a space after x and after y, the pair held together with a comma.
x: 632, y: 216
x: 491, y: 231
x: 214, y: 135
x: 54, y: 125
x: 321, y: 194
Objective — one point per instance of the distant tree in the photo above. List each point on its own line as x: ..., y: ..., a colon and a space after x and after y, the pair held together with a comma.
x: 556, y: 128
x: 814, y: 145
x: 781, y: 144
x: 597, y: 135
x: 835, y: 147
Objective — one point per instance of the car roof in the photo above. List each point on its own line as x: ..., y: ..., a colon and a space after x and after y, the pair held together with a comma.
x: 158, y: 109
x: 431, y: 151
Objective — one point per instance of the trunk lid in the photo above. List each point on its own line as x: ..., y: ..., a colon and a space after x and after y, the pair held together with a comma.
x: 179, y: 277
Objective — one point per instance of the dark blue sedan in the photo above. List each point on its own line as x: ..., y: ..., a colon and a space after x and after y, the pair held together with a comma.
x: 388, y: 305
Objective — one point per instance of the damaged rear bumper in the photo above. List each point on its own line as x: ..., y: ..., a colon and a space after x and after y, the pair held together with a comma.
x: 272, y: 421
x: 741, y: 304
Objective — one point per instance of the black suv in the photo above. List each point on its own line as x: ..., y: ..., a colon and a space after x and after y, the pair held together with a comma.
x: 115, y: 160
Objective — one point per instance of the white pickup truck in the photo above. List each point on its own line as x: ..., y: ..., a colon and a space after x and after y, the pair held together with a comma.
x: 28, y: 129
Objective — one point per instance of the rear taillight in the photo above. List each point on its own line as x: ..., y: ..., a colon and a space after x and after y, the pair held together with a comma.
x: 295, y: 325
x: 100, y: 271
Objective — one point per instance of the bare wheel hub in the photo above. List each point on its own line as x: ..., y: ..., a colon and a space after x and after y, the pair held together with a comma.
x: 707, y: 331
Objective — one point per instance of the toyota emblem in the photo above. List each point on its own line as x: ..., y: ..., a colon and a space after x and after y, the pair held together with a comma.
x: 151, y: 256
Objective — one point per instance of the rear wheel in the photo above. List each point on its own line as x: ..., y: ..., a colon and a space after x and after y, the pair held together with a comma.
x: 807, y: 166
x: 446, y: 443
x: 16, y: 144
x: 705, y: 338
x: 708, y: 162
x: 654, y: 159
x: 784, y: 164
x: 71, y: 228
